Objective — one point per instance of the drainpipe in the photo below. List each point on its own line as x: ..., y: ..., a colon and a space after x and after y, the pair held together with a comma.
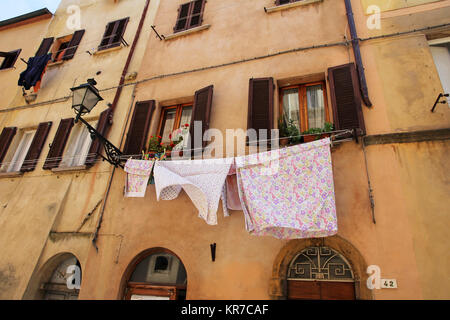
x: 113, y: 106
x: 130, y: 56
x: 357, y: 53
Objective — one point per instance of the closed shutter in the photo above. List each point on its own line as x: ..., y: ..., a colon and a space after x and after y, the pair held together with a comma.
x: 34, y: 152
x: 260, y: 105
x: 44, y: 47
x: 138, y: 131
x: 201, y: 112
x: 59, y: 142
x: 182, y: 20
x: 73, y: 45
x: 5, y: 140
x: 104, y: 123
x: 346, y: 98
x: 190, y: 15
x: 196, y: 17
x: 113, y: 34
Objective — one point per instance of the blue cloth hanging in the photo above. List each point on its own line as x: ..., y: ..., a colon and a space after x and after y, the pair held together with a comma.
x: 33, y: 73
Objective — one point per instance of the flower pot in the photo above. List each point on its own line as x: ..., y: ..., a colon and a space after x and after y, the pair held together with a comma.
x: 324, y: 135
x: 284, y: 142
x: 310, y: 138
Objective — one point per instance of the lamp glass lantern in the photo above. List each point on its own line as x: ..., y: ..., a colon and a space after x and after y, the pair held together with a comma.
x: 85, y: 97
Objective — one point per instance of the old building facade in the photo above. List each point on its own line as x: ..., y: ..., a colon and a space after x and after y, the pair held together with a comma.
x: 52, y: 182
x: 368, y: 66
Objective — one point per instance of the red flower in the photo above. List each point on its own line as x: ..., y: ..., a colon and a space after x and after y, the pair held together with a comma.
x: 159, y: 137
x: 151, y: 137
x: 186, y: 125
x: 161, y: 144
x: 170, y: 136
x: 172, y: 145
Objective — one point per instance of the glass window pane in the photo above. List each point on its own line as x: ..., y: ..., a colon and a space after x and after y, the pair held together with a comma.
x: 186, y: 116
x: 316, y: 106
x: 169, y: 122
x: 21, y: 152
x: 291, y: 108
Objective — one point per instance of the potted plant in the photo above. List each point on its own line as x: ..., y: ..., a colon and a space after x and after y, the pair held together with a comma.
x: 311, y: 134
x: 283, y: 132
x: 293, y: 133
x: 328, y: 127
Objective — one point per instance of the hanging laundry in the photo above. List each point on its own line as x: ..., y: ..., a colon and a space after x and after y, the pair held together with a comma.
x: 37, y: 86
x: 289, y: 193
x: 202, y: 180
x: 34, y: 71
x: 138, y: 174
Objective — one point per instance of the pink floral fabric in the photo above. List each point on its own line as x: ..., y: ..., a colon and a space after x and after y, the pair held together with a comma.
x: 138, y: 173
x: 289, y: 193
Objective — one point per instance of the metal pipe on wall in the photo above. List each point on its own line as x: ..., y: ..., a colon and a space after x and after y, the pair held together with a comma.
x: 357, y: 52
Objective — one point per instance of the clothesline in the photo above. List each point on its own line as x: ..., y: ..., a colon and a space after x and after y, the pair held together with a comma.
x: 297, y: 202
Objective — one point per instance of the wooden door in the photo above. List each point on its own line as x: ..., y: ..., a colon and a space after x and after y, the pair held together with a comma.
x: 320, y: 290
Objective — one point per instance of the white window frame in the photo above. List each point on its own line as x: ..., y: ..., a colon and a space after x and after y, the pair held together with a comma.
x: 445, y: 82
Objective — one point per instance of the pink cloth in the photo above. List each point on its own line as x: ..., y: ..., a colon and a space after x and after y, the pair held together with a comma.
x: 138, y: 174
x: 289, y: 193
x: 233, y: 200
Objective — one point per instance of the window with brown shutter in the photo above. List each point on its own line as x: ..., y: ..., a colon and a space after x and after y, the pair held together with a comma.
x: 138, y: 130
x: 54, y: 156
x: 9, y: 58
x: 201, y: 112
x: 44, y: 47
x: 103, y: 125
x: 260, y: 105
x: 190, y: 15
x: 172, y: 118
x: 73, y: 45
x: 346, y: 98
x: 37, y: 144
x: 5, y: 141
x: 113, y: 34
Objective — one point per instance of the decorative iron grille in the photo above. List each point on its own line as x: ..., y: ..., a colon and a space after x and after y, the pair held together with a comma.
x: 320, y: 263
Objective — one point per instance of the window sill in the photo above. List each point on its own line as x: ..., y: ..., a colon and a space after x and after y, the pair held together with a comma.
x: 11, y: 174
x: 290, y: 5
x: 69, y: 169
x: 98, y: 52
x: 186, y: 32
x: 57, y: 63
x: 6, y: 69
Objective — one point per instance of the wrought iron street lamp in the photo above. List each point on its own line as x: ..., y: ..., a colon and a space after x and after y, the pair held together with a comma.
x: 85, y: 98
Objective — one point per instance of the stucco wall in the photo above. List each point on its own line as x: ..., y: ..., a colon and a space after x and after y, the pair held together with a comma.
x: 402, y: 82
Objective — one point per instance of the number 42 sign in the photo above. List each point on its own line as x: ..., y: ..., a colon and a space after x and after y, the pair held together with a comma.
x: 374, y: 281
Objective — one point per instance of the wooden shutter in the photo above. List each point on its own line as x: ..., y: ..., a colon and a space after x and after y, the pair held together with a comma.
x: 346, y: 98
x: 104, y: 123
x: 113, y: 34
x: 59, y: 142
x: 138, y: 130
x: 73, y: 45
x: 260, y: 105
x: 44, y: 47
x: 37, y: 144
x: 201, y: 111
x: 183, y: 15
x: 5, y: 140
x: 196, y: 14
x: 10, y: 58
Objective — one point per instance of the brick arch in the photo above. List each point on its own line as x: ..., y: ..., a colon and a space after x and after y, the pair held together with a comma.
x: 278, y: 282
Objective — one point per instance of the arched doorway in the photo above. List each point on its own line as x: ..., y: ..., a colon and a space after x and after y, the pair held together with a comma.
x: 59, y: 279
x: 320, y: 273
x: 157, y: 274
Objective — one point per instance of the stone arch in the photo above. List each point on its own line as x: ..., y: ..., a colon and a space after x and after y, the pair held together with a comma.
x: 136, y: 261
x: 278, y: 282
x: 35, y: 289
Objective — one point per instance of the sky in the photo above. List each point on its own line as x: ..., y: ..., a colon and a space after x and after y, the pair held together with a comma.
x: 14, y: 8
